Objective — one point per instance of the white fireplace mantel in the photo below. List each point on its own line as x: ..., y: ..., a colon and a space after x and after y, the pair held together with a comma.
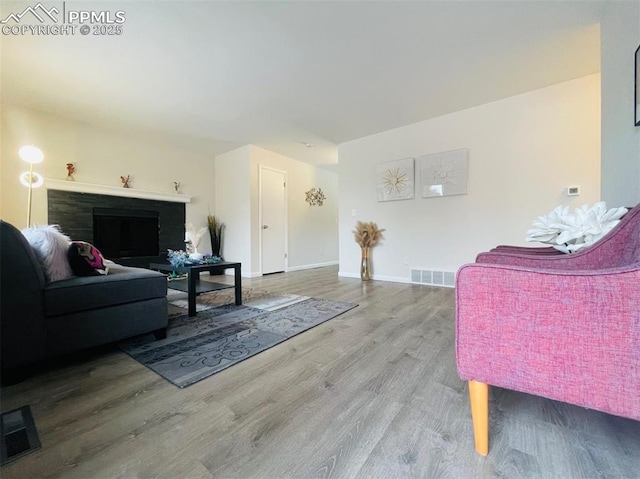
x: 64, y: 185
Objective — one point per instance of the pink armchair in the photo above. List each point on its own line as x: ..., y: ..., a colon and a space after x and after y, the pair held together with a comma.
x: 547, y: 250
x: 564, y: 327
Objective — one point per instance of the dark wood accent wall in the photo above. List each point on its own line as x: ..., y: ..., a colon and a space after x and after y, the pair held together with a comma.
x: 74, y: 213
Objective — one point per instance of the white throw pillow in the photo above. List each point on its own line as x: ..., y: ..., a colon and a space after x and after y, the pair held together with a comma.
x: 50, y: 247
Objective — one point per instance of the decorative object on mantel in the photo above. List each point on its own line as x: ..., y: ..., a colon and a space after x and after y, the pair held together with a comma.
x: 30, y: 179
x: 444, y: 174
x: 177, y: 186
x: 179, y: 258
x: 572, y: 232
x: 395, y: 180
x: 193, y: 237
x: 315, y: 197
x: 71, y: 169
x: 215, y: 233
x: 125, y: 181
x: 367, y: 236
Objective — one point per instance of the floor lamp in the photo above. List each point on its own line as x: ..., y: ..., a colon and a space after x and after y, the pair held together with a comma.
x: 30, y: 179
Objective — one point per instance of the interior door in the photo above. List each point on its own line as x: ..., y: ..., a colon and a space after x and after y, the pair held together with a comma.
x: 273, y: 196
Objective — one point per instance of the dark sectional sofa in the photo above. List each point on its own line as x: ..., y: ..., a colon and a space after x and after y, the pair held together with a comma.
x: 40, y: 320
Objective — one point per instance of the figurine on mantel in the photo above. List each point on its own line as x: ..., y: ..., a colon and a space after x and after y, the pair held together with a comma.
x: 71, y: 169
x: 125, y: 181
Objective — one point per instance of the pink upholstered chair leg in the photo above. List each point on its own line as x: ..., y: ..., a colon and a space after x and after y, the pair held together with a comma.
x: 479, y: 395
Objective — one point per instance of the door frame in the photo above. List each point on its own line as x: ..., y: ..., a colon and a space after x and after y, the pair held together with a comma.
x: 261, y: 168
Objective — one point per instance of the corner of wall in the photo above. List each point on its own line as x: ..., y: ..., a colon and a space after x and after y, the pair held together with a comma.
x: 620, y: 31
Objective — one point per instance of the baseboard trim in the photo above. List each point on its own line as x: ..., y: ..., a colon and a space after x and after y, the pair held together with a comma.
x: 291, y: 268
x: 376, y: 277
x: 311, y: 266
x: 391, y: 279
x: 342, y: 274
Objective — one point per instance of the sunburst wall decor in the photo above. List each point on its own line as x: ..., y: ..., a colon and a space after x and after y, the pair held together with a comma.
x: 395, y: 180
x: 444, y: 174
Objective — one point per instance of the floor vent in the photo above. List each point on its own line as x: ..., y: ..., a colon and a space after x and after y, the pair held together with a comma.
x: 433, y: 278
x: 18, y: 434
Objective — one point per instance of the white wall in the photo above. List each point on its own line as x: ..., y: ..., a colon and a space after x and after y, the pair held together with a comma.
x: 523, y: 152
x: 312, y: 230
x: 620, y: 36
x: 153, y: 160
x: 233, y: 208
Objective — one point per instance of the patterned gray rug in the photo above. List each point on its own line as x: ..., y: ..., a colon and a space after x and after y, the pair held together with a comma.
x: 256, y: 298
x: 216, y: 338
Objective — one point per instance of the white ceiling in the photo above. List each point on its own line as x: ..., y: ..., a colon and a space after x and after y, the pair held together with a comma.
x: 278, y: 74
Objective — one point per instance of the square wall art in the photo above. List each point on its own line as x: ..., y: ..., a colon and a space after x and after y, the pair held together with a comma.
x: 444, y: 174
x: 395, y: 180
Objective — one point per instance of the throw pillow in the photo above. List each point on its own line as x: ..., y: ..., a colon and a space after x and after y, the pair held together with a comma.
x: 50, y: 247
x: 85, y: 259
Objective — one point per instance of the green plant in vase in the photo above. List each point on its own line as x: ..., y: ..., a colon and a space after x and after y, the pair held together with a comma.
x: 215, y: 232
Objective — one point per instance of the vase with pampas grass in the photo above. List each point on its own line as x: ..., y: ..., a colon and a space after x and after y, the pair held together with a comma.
x: 366, y: 235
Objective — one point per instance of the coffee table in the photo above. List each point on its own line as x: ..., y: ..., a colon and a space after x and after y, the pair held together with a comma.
x: 194, y: 286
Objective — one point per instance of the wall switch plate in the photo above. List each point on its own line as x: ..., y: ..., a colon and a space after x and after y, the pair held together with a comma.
x: 353, y: 212
x: 573, y: 190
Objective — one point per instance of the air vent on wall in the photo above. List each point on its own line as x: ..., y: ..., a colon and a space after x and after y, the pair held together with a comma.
x: 433, y: 278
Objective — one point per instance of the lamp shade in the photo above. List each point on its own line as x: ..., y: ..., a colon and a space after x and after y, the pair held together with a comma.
x: 35, y: 180
x: 31, y: 154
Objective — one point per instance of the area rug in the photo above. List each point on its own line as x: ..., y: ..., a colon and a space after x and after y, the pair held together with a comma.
x: 197, y: 347
x: 250, y: 297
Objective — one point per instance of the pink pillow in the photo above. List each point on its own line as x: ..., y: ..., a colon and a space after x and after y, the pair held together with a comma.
x: 85, y: 259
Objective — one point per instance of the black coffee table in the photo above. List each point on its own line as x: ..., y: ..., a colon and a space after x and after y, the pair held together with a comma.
x: 194, y: 286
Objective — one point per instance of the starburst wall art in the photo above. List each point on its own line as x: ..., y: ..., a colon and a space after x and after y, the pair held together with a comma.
x: 395, y: 180
x: 444, y: 174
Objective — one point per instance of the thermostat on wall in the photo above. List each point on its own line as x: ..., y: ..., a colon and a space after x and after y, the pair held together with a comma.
x: 573, y: 190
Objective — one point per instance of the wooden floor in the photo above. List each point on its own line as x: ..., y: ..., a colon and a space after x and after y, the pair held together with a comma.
x: 372, y: 393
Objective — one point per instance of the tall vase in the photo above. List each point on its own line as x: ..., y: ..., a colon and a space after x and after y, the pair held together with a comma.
x: 215, y: 245
x: 365, y: 264
x: 215, y: 233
